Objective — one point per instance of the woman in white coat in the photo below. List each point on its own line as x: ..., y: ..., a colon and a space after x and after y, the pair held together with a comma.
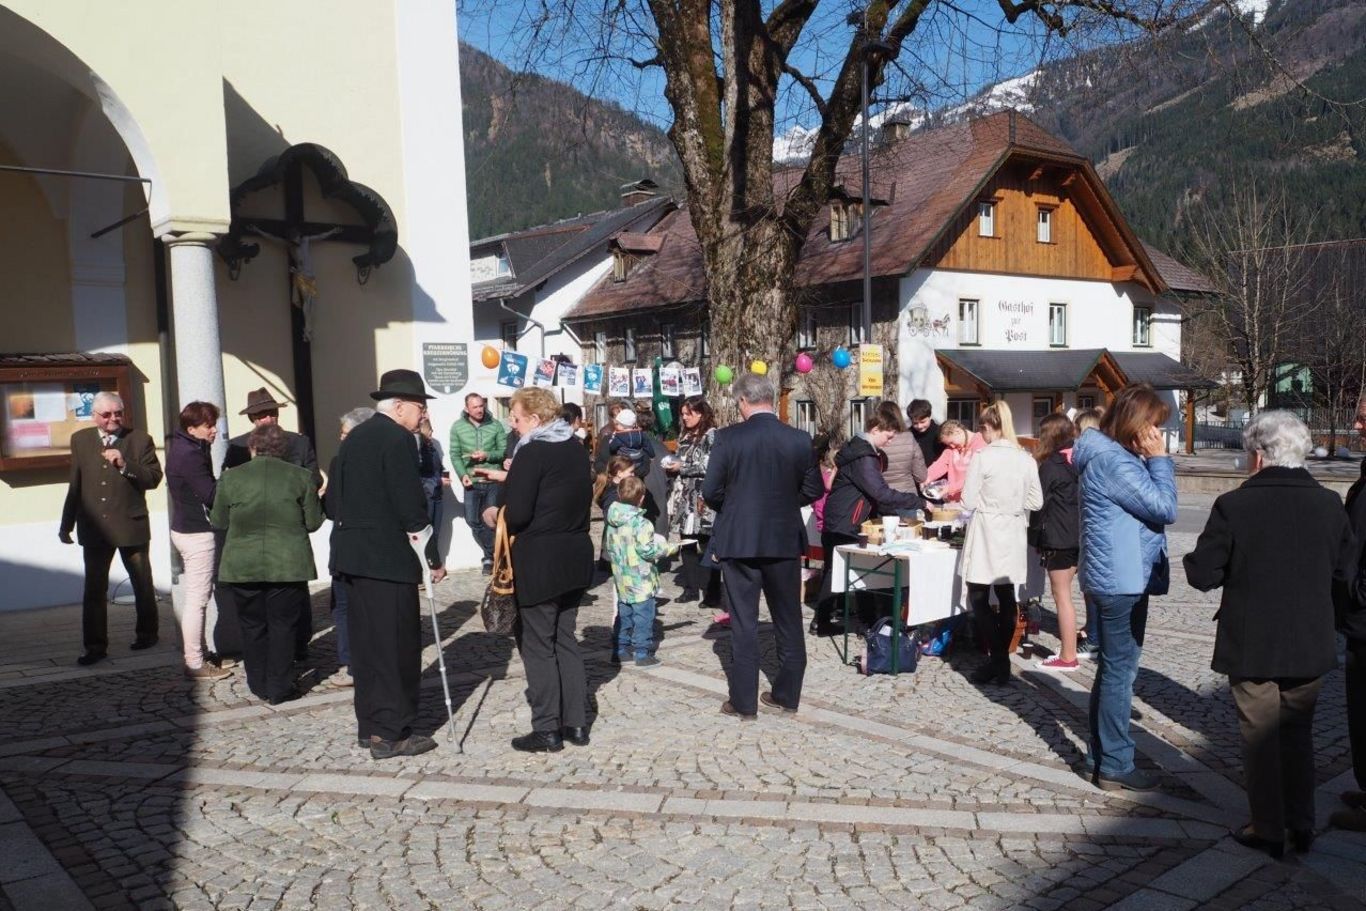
x: 1001, y: 489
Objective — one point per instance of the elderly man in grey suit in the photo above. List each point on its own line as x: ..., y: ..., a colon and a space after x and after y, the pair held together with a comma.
x: 112, y: 468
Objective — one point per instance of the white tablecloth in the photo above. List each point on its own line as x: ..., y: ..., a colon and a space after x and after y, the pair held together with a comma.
x: 934, y: 590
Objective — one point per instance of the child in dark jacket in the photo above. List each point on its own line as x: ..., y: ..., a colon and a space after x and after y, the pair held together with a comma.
x: 627, y: 440
x: 1054, y: 531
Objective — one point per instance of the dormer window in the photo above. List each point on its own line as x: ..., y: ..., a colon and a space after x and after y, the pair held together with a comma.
x: 628, y: 250
x: 621, y: 265
x: 845, y: 217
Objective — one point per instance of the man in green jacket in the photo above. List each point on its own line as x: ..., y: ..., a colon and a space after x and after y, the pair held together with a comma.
x: 478, y: 441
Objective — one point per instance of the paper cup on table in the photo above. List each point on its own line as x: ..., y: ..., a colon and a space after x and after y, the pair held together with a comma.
x: 889, y: 526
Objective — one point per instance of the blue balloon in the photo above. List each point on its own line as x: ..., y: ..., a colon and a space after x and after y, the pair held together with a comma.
x: 841, y: 357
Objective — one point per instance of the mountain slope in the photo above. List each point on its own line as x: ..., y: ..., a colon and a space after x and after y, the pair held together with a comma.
x: 537, y: 150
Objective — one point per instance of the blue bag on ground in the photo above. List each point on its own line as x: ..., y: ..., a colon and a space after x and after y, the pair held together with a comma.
x: 938, y: 642
x: 878, y: 658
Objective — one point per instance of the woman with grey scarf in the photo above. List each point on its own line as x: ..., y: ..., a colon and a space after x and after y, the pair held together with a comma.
x: 546, y: 497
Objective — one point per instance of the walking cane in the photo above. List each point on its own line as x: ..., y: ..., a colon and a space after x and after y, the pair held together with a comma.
x: 418, y: 541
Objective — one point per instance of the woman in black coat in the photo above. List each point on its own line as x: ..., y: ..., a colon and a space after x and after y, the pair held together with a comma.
x: 1054, y: 531
x: 547, y: 494
x: 858, y: 494
x: 1282, y: 549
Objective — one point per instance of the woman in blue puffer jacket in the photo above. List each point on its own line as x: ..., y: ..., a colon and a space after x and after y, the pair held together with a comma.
x: 1128, y: 494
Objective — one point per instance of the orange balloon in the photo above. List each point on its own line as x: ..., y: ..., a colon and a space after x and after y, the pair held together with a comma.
x: 490, y: 357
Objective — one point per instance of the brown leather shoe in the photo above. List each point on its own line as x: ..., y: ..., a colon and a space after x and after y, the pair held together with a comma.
x: 766, y: 697
x: 206, y: 672
x: 728, y: 709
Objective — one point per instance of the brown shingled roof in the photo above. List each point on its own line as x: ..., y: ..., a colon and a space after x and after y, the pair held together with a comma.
x: 926, y: 179
x: 1178, y: 276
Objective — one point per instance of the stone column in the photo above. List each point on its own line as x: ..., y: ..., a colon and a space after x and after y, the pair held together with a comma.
x: 194, y: 308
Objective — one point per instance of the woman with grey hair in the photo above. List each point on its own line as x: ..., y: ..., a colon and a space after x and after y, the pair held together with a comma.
x: 1282, y: 549
x: 349, y: 422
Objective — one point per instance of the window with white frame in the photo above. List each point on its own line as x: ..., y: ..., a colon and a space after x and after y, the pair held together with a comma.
x: 1085, y: 401
x: 1045, y: 233
x: 1057, y: 325
x: 858, y: 413
x: 704, y: 340
x: 507, y: 332
x: 1143, y: 325
x: 964, y: 411
x: 806, y: 417
x: 986, y: 219
x: 856, y: 324
x: 600, y: 343
x: 968, y: 329
x: 807, y: 336
x: 629, y: 344
x: 1042, y: 408
x: 666, y: 340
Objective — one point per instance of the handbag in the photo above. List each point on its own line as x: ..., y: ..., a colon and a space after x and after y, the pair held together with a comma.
x: 878, y: 658
x: 498, y: 610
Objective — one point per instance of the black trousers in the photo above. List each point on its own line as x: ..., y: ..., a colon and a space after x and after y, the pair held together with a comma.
x: 780, y: 582
x: 303, y: 624
x: 268, y: 614
x: 704, y: 579
x: 94, y: 604
x: 1356, y: 708
x: 995, y: 628
x: 556, y: 685
x: 385, y: 620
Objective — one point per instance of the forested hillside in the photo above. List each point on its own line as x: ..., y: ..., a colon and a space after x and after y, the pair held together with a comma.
x: 536, y: 150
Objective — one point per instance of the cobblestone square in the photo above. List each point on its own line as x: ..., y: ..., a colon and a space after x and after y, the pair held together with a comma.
x: 127, y: 786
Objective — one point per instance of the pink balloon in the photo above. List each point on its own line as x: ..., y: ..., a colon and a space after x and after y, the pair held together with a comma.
x: 804, y: 363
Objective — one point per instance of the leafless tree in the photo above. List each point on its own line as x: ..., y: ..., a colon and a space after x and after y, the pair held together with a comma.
x: 729, y: 67
x: 1254, y: 247
x: 1336, y: 350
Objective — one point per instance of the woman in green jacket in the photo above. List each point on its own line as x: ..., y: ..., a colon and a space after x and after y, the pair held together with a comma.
x: 268, y: 507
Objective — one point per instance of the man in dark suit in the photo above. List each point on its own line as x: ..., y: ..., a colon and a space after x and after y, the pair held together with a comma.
x: 1352, y: 625
x: 378, y: 506
x: 112, y: 468
x: 262, y: 409
x: 760, y: 474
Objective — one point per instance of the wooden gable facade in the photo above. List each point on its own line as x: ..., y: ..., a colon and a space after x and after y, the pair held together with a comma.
x: 1084, y: 241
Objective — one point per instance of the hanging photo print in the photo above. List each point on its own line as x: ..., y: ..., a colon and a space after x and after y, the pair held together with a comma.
x: 670, y: 382
x: 567, y: 375
x: 512, y: 370
x: 545, y: 373
x: 592, y: 378
x: 642, y: 383
x: 619, y: 382
x: 692, y: 381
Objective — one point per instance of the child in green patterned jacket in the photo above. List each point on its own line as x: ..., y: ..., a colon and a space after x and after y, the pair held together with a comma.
x: 633, y: 547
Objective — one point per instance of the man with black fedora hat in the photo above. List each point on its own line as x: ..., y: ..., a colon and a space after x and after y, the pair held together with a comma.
x: 263, y: 409
x: 378, y: 504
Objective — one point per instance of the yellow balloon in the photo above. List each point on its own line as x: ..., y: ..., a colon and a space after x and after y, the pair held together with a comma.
x: 758, y: 367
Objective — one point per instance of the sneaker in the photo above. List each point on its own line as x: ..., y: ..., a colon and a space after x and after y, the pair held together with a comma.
x: 342, y: 677
x: 1134, y: 780
x: 648, y: 661
x: 488, y: 567
x: 413, y: 745
x: 1087, y: 648
x: 1056, y: 663
x: 206, y: 672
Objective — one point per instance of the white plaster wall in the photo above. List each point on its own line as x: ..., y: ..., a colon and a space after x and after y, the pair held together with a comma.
x: 1013, y: 314
x: 45, y: 572
x: 436, y: 221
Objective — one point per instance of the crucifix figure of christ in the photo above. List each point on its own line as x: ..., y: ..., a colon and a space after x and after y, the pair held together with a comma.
x: 303, y: 279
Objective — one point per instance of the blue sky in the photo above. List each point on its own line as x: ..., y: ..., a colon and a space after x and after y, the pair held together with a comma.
x: 952, y: 54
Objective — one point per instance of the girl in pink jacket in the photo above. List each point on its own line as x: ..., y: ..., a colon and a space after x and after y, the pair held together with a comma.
x: 954, y: 460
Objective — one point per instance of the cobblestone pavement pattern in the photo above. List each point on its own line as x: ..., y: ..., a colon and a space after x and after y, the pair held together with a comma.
x: 125, y: 785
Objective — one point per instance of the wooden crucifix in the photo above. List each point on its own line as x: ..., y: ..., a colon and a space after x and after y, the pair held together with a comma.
x: 298, y: 234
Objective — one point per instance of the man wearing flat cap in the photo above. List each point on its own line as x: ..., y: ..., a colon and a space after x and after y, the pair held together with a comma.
x: 262, y: 409
x: 378, y: 507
